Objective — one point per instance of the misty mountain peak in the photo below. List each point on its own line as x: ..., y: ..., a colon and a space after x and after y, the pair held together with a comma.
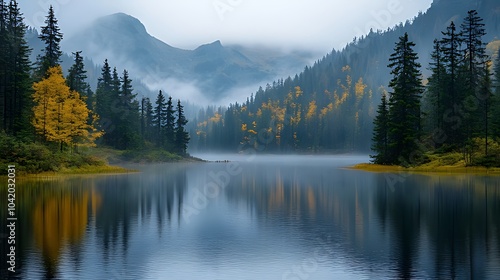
x: 214, y: 46
x: 121, y: 22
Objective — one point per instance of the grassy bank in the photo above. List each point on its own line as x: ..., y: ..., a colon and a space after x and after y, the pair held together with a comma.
x: 451, y: 163
x: 138, y: 156
x: 36, y: 158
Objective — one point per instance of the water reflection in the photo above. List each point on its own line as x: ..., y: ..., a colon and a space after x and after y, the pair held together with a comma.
x: 269, y: 219
x: 60, y: 217
x: 430, y: 226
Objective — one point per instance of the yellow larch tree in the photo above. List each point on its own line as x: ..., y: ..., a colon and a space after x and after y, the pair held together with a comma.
x: 60, y: 115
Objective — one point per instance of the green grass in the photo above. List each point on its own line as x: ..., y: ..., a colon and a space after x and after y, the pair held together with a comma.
x: 36, y: 158
x: 451, y: 163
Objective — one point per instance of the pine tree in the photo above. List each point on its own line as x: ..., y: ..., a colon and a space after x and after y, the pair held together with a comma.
x: 472, y: 31
x: 181, y: 135
x: 51, y: 36
x: 146, y: 119
x: 451, y: 44
x: 15, y: 82
x: 103, y: 101
x: 144, y: 100
x: 115, y: 84
x: 128, y: 116
x: 404, y: 103
x: 170, y: 124
x: 160, y: 118
x: 77, y: 76
x: 77, y: 79
x: 495, y: 106
x: 437, y: 85
x: 4, y: 56
x: 475, y: 65
x: 485, y: 86
x: 380, y: 138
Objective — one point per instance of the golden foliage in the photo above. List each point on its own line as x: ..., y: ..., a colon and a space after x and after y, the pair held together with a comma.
x: 60, y: 115
x: 216, y: 118
x: 326, y: 110
x: 311, y: 112
x: 359, y: 89
x: 298, y: 92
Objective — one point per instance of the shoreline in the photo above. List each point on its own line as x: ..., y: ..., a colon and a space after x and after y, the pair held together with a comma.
x: 442, y: 170
x: 106, y: 169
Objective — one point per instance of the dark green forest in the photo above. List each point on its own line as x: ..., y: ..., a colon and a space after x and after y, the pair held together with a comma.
x: 460, y: 109
x: 47, y: 119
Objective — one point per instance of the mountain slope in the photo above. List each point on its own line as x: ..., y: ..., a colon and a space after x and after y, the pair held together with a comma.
x: 213, y: 68
x: 336, y: 103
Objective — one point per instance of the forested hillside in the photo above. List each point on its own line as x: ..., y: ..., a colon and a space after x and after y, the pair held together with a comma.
x: 47, y: 117
x: 331, y: 105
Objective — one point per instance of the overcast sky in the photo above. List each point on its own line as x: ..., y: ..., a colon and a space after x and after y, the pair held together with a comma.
x: 317, y: 25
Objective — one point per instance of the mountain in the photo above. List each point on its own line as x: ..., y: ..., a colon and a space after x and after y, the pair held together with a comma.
x: 339, y: 94
x: 212, y: 68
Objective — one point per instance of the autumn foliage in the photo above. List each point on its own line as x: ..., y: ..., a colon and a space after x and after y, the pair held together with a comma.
x: 60, y: 115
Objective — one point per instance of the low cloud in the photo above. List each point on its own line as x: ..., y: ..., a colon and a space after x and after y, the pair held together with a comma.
x: 318, y: 25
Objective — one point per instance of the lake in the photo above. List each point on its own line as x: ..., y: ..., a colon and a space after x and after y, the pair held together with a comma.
x: 264, y: 217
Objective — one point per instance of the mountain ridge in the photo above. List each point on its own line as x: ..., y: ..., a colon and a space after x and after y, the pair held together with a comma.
x: 215, y: 69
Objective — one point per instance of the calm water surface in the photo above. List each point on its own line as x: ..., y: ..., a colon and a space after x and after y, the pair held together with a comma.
x: 269, y: 217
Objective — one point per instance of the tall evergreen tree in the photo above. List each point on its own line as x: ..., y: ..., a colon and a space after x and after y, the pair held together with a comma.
x: 475, y: 61
x: 381, y: 133
x: 115, y: 84
x: 170, y: 124
x: 103, y: 100
x: 16, y: 81
x: 485, y: 86
x: 181, y: 135
x: 77, y: 79
x: 4, y: 56
x: 128, y: 116
x: 146, y: 119
x: 437, y: 85
x: 451, y: 44
x: 495, y: 106
x: 51, y: 36
x: 472, y: 31
x: 160, y: 118
x: 404, y: 103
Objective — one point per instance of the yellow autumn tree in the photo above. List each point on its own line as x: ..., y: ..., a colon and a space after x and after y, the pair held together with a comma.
x: 60, y: 115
